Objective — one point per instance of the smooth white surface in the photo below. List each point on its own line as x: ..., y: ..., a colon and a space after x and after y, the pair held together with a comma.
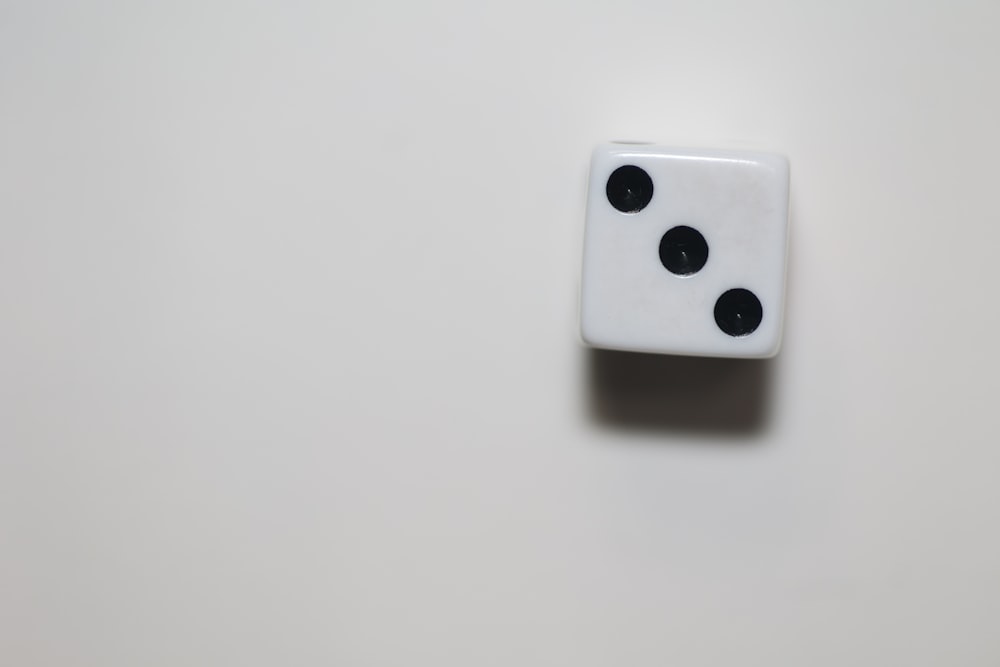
x: 737, y: 200
x: 288, y: 359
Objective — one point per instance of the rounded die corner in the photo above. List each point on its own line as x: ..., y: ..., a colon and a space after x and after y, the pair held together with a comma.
x: 771, y: 352
x: 778, y: 164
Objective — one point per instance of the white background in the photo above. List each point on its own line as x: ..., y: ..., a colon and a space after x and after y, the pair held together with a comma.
x: 289, y: 371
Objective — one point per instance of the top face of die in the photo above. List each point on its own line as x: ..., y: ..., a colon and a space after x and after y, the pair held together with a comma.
x: 684, y: 251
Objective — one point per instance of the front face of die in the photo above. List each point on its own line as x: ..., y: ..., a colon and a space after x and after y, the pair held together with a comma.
x: 684, y: 251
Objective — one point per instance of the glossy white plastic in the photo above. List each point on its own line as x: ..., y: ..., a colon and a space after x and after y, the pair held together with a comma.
x: 737, y: 200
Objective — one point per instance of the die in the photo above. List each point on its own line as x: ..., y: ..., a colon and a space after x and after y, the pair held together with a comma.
x: 685, y: 251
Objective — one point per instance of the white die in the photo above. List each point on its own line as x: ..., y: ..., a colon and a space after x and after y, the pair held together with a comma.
x: 661, y: 252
